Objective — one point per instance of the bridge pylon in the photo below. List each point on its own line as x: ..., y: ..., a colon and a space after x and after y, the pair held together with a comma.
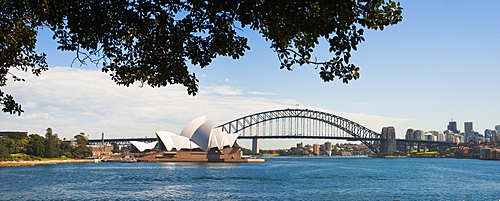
x: 388, y: 140
x: 255, y: 145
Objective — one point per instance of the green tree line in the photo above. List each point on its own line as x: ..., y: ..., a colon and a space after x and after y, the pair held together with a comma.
x: 44, y: 147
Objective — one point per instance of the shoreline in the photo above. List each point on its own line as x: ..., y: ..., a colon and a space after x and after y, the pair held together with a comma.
x: 30, y: 163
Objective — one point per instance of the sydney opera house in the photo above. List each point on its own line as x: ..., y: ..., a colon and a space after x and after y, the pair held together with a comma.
x: 197, y: 142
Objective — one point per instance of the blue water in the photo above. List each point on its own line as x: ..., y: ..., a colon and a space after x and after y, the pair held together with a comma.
x: 279, y: 178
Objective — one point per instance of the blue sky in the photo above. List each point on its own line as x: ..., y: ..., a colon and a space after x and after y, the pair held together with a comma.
x: 440, y: 62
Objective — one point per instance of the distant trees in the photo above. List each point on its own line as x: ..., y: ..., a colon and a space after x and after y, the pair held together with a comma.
x: 66, y: 150
x: 37, y: 146
x: 81, y: 150
x: 4, y: 152
x: 14, y: 145
x: 52, y: 149
x: 248, y: 151
x: 81, y: 139
x: 48, y: 133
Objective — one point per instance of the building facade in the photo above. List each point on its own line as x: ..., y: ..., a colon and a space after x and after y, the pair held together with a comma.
x: 452, y: 126
x: 410, y: 134
x: 316, y: 149
x: 468, y: 127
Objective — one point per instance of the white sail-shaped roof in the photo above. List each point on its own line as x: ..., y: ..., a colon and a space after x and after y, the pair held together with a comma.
x: 202, y: 135
x: 220, y: 138
x: 216, y: 138
x: 230, y: 139
x: 192, y: 126
x: 151, y: 145
x: 181, y: 142
x: 138, y: 145
x: 165, y: 139
x: 141, y: 146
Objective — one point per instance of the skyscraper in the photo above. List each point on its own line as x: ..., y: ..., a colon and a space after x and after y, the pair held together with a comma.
x: 467, y: 129
x: 452, y: 126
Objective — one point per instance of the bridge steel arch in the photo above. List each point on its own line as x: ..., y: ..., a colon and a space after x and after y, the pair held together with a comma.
x: 302, y: 123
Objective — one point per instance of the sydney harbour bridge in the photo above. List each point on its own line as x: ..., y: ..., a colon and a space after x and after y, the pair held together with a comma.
x: 307, y: 124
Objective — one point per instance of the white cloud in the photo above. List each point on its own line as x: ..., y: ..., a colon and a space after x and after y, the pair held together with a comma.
x: 35, y: 116
x: 261, y: 93
x: 227, y: 80
x: 30, y: 104
x: 223, y: 90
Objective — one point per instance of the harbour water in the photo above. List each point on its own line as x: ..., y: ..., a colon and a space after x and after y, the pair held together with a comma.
x: 279, y: 178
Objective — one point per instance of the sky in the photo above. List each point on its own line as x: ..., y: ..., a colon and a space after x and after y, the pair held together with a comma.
x: 440, y: 62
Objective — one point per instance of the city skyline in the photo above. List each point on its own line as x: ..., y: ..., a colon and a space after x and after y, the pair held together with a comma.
x: 439, y: 63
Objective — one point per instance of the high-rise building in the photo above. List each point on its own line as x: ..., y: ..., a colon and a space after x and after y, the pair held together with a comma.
x: 452, y: 126
x: 488, y: 133
x: 494, y: 133
x: 429, y: 137
x: 440, y: 137
x: 328, y: 146
x: 409, y: 134
x: 467, y: 129
x: 316, y: 149
x: 497, y: 127
x: 418, y: 135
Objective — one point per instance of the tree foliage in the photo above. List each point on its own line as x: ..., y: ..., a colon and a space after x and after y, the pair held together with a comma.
x: 81, y: 151
x: 14, y: 145
x: 4, y: 151
x: 153, y: 41
x: 52, y: 149
x: 48, y: 133
x: 81, y: 139
x: 36, y: 145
